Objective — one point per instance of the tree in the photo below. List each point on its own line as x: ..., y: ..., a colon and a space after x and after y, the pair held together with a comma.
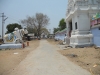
x: 38, y: 22
x: 55, y: 30
x: 31, y: 30
x: 45, y: 30
x: 62, y: 24
x: 10, y: 27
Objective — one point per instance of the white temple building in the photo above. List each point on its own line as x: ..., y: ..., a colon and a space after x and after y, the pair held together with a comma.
x: 78, y: 16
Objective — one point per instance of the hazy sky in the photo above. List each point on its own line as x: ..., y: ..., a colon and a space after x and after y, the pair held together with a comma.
x: 17, y: 10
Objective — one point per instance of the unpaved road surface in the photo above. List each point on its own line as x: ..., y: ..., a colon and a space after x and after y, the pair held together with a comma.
x: 46, y: 60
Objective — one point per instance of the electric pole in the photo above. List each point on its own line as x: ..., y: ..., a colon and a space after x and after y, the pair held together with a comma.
x: 3, y: 21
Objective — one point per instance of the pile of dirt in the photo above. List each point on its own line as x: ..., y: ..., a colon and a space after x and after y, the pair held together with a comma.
x: 9, y: 59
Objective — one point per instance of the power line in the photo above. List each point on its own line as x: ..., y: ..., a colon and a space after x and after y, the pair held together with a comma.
x: 13, y: 18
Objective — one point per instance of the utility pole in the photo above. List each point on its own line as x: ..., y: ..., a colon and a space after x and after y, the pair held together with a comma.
x: 3, y: 21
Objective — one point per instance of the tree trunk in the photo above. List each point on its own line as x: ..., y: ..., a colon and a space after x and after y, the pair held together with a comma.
x: 38, y: 35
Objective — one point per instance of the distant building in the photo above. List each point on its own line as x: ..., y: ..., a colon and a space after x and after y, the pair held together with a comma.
x: 60, y: 35
x: 95, y: 29
x: 78, y: 19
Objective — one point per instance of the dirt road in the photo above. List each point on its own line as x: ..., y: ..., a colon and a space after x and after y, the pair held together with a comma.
x: 46, y: 60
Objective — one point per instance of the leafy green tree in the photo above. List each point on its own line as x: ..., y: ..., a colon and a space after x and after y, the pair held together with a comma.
x: 55, y: 30
x: 62, y: 24
x: 10, y: 27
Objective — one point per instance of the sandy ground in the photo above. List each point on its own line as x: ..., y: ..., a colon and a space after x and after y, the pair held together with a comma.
x: 9, y: 59
x: 46, y: 60
x: 87, y: 58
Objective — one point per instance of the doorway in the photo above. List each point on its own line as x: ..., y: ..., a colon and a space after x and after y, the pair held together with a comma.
x: 70, y: 28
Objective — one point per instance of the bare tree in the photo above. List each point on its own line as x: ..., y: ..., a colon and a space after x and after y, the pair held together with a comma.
x: 38, y: 22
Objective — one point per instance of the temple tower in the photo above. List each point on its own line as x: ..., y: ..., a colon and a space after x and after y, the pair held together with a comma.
x: 78, y: 16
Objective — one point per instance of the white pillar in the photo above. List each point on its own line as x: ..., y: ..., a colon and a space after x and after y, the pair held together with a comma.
x: 67, y: 25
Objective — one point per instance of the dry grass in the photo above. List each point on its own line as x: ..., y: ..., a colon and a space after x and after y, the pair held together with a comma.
x: 9, y: 60
x: 52, y: 41
x: 87, y: 58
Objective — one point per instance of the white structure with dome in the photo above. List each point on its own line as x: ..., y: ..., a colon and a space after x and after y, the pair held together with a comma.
x: 78, y: 19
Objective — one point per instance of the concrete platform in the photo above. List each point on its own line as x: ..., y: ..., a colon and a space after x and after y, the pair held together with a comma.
x: 10, y: 46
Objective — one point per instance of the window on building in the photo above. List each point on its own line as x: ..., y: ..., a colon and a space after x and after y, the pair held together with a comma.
x: 76, y: 25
